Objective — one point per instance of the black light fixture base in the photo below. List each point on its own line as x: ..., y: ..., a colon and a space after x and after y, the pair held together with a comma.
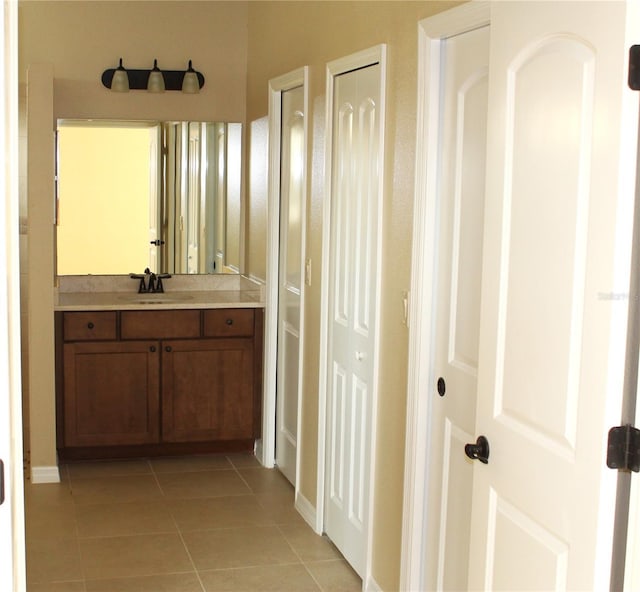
x: 139, y: 79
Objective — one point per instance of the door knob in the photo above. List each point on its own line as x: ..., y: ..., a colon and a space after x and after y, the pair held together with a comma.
x: 479, y: 450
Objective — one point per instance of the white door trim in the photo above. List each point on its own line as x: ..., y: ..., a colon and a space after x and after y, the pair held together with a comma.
x: 367, y: 57
x: 12, y: 540
x: 276, y: 87
x: 431, y: 33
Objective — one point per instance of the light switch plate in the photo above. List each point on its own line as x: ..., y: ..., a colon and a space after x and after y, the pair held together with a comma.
x: 405, y: 308
x: 307, y: 272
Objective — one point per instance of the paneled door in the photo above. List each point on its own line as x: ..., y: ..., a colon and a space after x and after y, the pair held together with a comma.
x: 461, y: 180
x: 561, y: 166
x: 352, y: 308
x: 290, y: 278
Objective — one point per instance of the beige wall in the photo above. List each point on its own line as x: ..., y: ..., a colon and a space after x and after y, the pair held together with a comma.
x: 284, y: 36
x: 82, y: 39
x: 113, y: 163
x: 40, y: 341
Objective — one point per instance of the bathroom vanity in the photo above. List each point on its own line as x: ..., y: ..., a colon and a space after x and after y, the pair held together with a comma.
x: 154, y: 374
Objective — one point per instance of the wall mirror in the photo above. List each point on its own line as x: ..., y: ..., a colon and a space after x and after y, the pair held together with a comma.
x: 162, y: 195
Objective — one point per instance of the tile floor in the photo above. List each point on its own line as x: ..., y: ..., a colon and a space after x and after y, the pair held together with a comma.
x: 191, y: 524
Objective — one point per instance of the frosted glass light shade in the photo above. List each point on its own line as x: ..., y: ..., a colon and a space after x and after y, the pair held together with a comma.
x: 156, y: 80
x: 120, y: 81
x: 190, y: 82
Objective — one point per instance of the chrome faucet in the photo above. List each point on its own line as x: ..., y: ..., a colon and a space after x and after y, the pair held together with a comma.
x: 150, y: 282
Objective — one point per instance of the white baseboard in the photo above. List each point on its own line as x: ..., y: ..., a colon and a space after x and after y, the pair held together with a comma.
x: 45, y: 474
x: 259, y: 452
x: 306, y: 510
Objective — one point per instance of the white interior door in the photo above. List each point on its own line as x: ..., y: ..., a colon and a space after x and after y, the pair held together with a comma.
x: 193, y: 200
x: 461, y: 180
x: 216, y: 246
x: 560, y: 174
x: 290, y: 278
x: 353, y: 298
x: 155, y: 210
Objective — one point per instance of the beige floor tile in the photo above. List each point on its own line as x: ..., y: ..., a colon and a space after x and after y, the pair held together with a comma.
x: 184, y: 582
x: 270, y: 578
x: 53, y: 561
x: 114, y: 468
x: 307, y: 544
x: 219, y: 512
x: 335, y: 576
x: 50, y: 522
x: 239, y: 547
x: 280, y: 507
x: 47, y: 494
x: 63, y: 471
x: 138, y: 555
x: 244, y: 461
x: 182, y: 464
x: 126, y: 514
x: 202, y: 484
x: 77, y: 586
x: 116, y: 489
x: 122, y: 519
x: 267, y: 481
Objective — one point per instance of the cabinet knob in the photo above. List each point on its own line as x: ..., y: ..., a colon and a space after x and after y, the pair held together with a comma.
x: 229, y: 321
x: 168, y: 348
x: 90, y: 325
x: 152, y: 349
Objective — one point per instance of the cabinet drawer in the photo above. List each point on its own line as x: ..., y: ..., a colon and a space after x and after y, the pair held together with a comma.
x: 228, y: 322
x: 159, y: 324
x: 89, y: 326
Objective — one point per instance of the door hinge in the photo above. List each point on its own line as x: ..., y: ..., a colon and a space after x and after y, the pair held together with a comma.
x: 634, y: 67
x: 623, y: 448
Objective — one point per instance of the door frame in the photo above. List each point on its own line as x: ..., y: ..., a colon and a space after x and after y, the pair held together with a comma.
x: 422, y: 322
x: 361, y: 59
x: 12, y: 539
x: 277, y: 86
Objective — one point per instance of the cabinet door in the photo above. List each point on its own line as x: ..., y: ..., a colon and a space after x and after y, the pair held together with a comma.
x: 111, y: 393
x: 207, y: 390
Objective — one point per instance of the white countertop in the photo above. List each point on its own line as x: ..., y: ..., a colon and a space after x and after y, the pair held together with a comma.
x: 88, y: 293
x: 79, y: 301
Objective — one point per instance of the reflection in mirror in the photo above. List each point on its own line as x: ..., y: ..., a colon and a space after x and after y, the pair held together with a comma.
x: 163, y: 195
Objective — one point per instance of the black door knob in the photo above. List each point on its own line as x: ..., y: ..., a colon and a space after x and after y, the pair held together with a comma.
x: 479, y: 450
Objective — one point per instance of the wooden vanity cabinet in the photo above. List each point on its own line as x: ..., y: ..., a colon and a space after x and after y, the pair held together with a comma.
x: 111, y: 393
x: 158, y: 382
x: 207, y: 390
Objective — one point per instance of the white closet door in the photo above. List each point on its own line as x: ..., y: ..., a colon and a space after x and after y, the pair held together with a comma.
x: 290, y: 279
x: 352, y: 306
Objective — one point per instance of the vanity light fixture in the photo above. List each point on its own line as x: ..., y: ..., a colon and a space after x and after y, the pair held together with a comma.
x: 190, y: 82
x: 121, y: 80
x: 156, y: 80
